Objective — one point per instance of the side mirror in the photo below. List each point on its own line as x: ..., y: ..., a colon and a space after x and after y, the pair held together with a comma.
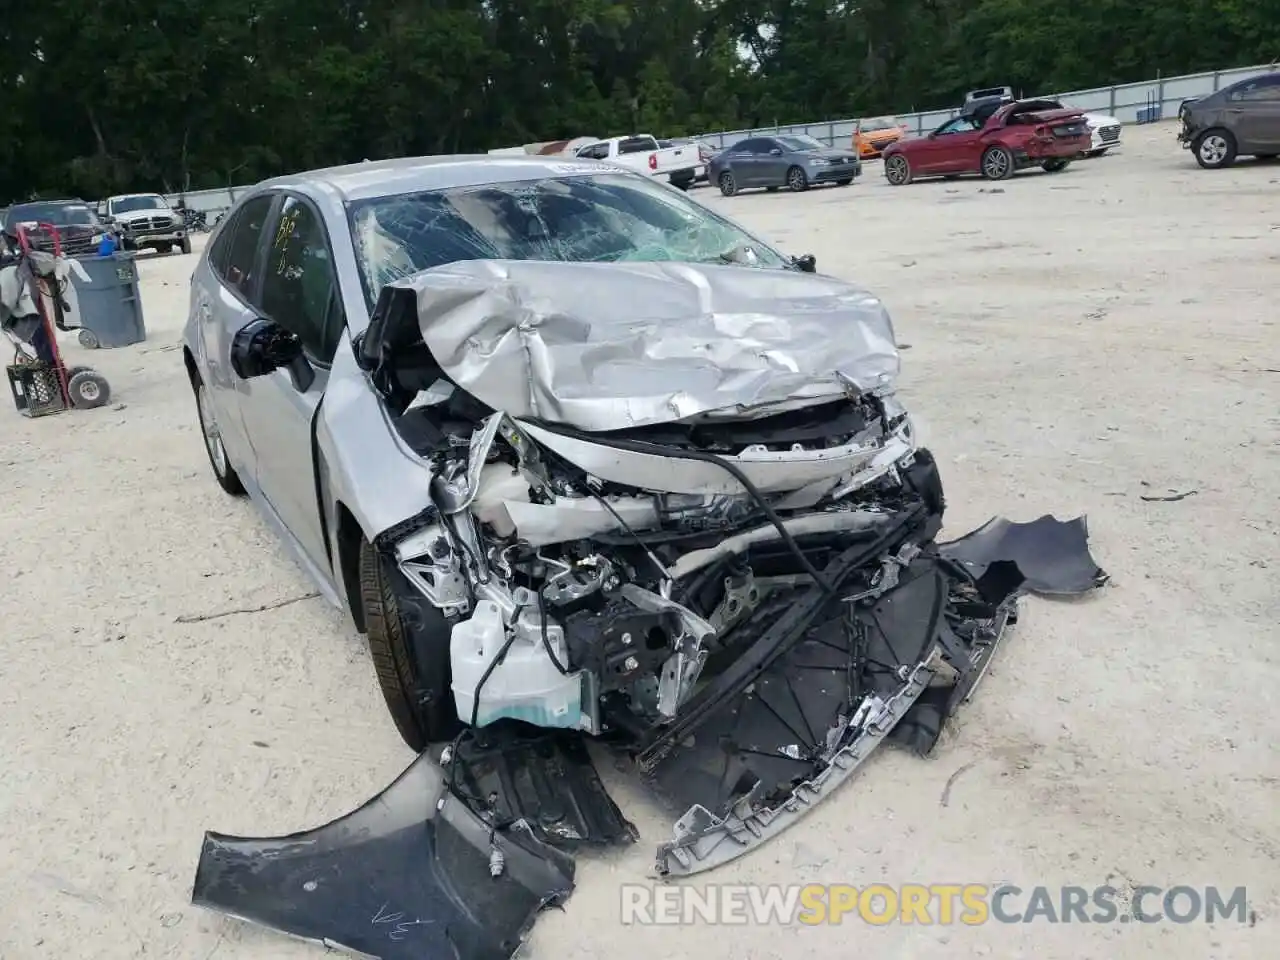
x: 776, y: 152
x: 262, y: 347
x: 806, y: 264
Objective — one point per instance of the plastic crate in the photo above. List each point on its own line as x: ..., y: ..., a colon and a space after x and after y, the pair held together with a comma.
x: 35, y: 388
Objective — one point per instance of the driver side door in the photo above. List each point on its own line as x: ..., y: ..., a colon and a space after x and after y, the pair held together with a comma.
x: 299, y: 291
x: 772, y: 170
x: 951, y: 148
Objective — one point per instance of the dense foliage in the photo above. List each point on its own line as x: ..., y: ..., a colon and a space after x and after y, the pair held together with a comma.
x: 183, y: 94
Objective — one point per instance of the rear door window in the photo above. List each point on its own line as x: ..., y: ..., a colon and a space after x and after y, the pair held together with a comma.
x: 637, y: 145
x: 243, y: 245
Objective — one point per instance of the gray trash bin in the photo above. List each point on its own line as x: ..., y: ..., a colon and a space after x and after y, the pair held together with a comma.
x: 110, y: 306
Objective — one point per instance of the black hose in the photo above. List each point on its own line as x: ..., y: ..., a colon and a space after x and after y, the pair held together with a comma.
x: 730, y: 468
x: 546, y: 640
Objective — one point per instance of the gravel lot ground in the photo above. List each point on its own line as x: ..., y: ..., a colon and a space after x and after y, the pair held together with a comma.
x: 1077, y: 341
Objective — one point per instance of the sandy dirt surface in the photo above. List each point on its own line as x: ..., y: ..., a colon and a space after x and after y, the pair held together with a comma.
x: 1076, y: 341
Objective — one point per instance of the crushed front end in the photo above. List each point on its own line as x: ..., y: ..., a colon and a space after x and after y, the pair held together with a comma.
x: 721, y: 562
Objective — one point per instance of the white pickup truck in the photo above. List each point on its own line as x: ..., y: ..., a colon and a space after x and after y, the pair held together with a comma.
x: 641, y: 152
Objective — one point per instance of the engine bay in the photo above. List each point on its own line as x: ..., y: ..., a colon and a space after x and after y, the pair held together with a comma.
x: 579, y: 601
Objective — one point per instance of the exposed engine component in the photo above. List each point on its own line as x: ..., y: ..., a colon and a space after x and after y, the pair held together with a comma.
x: 620, y: 643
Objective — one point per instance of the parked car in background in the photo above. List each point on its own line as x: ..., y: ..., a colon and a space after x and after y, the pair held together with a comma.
x: 794, y: 161
x: 872, y: 135
x: 643, y: 154
x: 1104, y: 130
x: 1240, y: 120
x: 706, y: 153
x: 990, y: 93
x: 78, y: 227
x: 146, y: 220
x: 1016, y: 136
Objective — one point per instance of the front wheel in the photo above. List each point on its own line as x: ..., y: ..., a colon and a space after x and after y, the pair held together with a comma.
x: 897, y: 170
x: 409, y: 644
x: 223, y: 472
x: 997, y: 163
x: 1055, y: 165
x: 728, y: 186
x: 797, y: 182
x: 1215, y: 149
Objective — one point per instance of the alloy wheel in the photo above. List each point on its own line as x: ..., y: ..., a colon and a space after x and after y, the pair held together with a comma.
x: 1213, y: 149
x: 896, y: 170
x: 996, y: 164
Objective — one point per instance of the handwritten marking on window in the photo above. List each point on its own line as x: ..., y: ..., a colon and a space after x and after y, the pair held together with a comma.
x: 398, y: 928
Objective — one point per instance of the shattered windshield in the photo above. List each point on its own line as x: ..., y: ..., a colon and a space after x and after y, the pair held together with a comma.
x: 602, y: 218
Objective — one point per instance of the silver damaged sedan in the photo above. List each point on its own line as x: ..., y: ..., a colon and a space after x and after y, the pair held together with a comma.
x: 584, y: 458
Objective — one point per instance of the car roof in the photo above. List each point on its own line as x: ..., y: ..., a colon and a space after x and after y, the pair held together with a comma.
x: 129, y: 196
x: 51, y: 200
x: 380, y: 178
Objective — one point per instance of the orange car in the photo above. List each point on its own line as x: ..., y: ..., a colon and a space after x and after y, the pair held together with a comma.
x: 872, y: 135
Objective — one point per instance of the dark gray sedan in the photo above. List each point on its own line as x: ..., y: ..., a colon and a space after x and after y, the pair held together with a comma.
x: 1240, y: 120
x: 794, y: 161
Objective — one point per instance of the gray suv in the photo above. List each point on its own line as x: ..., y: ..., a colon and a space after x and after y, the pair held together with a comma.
x: 1240, y: 120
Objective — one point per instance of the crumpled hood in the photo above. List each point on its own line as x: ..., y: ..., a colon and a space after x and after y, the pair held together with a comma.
x: 606, y: 346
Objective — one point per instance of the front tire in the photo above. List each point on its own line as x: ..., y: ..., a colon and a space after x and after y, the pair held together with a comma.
x: 1055, y: 166
x: 223, y: 472
x: 997, y: 163
x: 728, y: 186
x: 409, y: 645
x: 897, y: 170
x: 797, y: 182
x: 1215, y: 149
x: 185, y: 245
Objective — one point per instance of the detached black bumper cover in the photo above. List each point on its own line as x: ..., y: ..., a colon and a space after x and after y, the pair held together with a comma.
x: 409, y: 874
x: 894, y: 665
x: 456, y: 866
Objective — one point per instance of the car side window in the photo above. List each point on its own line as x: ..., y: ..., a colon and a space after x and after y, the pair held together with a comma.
x: 299, y: 284
x: 958, y: 125
x: 762, y: 146
x: 596, y: 151
x: 1263, y: 88
x: 242, y: 244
